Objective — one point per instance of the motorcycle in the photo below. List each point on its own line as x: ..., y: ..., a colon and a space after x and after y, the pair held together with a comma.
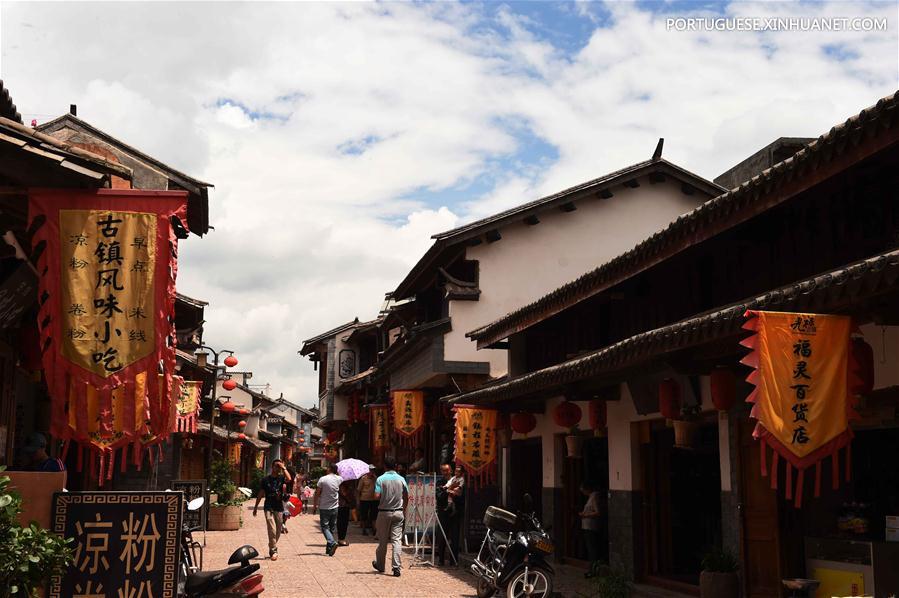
x: 512, y: 557
x: 239, y: 580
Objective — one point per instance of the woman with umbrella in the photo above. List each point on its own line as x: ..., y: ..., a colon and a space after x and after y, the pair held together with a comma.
x: 350, y: 470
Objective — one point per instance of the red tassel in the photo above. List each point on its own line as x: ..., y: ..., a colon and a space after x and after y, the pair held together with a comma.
x: 789, y: 481
x: 835, y: 468
x: 848, y: 461
x: 774, y: 458
x: 763, y: 446
x: 111, y: 465
x: 818, y: 479
x: 799, y: 487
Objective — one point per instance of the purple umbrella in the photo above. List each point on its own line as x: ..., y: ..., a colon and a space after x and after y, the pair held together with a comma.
x: 352, y: 469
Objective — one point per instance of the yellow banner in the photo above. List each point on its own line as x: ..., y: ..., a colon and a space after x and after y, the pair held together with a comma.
x: 107, y: 304
x: 379, y: 429
x: 408, y: 411
x: 234, y: 452
x: 476, y: 440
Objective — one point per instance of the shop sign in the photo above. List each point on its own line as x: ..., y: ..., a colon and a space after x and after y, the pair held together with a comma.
x: 408, y: 414
x: 379, y: 426
x: 422, y: 508
x: 476, y: 442
x: 125, y: 544
x: 347, y: 363
x: 17, y: 294
x: 193, y: 489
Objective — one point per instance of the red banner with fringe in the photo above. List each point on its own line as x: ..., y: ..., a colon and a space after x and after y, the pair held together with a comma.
x: 108, y: 263
x: 802, y: 401
x: 476, y: 443
x: 408, y: 409
x: 189, y: 405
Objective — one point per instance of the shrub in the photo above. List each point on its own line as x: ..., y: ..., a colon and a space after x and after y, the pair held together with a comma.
x: 256, y: 480
x: 612, y: 583
x: 221, y: 481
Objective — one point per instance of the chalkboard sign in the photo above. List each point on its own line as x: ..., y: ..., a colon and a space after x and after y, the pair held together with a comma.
x: 17, y: 293
x: 124, y: 543
x: 193, y: 489
x: 476, y: 505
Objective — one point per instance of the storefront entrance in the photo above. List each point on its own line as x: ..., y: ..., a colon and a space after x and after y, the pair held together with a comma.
x: 591, y: 470
x: 683, y: 504
x: 526, y: 473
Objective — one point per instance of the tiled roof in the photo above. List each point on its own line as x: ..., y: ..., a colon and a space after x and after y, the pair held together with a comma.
x: 831, y: 292
x: 878, y: 124
x: 7, y: 106
x: 309, y: 344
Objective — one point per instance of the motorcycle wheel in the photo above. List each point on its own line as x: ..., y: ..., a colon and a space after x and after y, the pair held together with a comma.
x: 538, y: 584
x: 485, y: 589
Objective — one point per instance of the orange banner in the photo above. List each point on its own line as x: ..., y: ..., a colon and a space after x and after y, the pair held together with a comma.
x: 476, y: 442
x: 189, y: 405
x: 379, y: 428
x: 408, y: 413
x: 234, y: 452
x: 802, y: 401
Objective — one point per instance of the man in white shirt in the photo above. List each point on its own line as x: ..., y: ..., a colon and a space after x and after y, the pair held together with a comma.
x: 326, y: 501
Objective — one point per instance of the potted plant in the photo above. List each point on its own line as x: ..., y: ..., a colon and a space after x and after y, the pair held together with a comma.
x: 224, y: 512
x: 612, y: 583
x: 686, y: 429
x: 29, y: 555
x: 573, y: 442
x: 718, y: 578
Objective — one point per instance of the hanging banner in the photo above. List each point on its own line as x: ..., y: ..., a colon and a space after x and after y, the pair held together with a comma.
x: 408, y: 408
x: 108, y: 262
x: 476, y: 442
x: 189, y: 405
x: 378, y: 428
x: 260, y: 459
x: 802, y: 400
x: 233, y: 455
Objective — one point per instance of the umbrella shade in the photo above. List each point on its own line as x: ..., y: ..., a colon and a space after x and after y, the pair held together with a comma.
x: 352, y: 469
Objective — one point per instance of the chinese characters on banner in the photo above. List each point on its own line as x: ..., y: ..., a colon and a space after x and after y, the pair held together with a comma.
x: 802, y: 400
x: 476, y: 442
x: 408, y: 414
x: 108, y: 289
x: 125, y: 544
x: 379, y: 440
x: 422, y: 509
x: 189, y: 405
x: 234, y: 453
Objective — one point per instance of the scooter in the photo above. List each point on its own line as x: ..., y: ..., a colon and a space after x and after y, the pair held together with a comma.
x: 239, y: 580
x: 512, y: 557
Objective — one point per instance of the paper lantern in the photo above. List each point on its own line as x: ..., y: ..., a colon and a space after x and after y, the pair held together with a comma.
x: 244, y: 411
x: 669, y: 399
x: 567, y: 414
x: 598, y: 414
x: 723, y: 388
x: 227, y: 407
x: 229, y: 384
x: 242, y: 436
x: 862, y: 364
x: 242, y: 424
x: 523, y: 423
x: 230, y: 361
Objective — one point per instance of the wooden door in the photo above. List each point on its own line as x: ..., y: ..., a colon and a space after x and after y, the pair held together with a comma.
x: 526, y: 473
x: 761, y: 538
x: 572, y: 477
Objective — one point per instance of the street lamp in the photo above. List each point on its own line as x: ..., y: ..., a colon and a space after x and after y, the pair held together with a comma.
x: 202, y: 361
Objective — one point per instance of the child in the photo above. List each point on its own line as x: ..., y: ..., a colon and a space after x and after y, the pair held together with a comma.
x: 307, y: 496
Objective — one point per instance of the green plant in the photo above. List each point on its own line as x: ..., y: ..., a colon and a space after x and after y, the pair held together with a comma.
x: 315, y: 473
x: 256, y: 480
x: 221, y: 480
x: 612, y: 583
x: 720, y: 561
x: 28, y: 555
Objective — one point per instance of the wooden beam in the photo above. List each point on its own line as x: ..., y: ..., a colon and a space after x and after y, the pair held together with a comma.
x: 493, y: 236
x: 604, y: 194
x: 656, y: 177
x: 568, y: 207
x: 632, y: 184
x: 532, y: 220
x: 687, y: 189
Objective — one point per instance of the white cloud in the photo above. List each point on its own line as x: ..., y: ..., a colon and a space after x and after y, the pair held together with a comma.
x: 326, y: 127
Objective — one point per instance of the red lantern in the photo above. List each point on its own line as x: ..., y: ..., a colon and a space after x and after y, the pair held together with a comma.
x: 229, y: 384
x: 230, y: 361
x: 723, y: 388
x: 598, y: 414
x: 242, y: 436
x: 242, y: 424
x: 567, y: 414
x: 227, y: 407
x: 862, y: 366
x: 523, y: 423
x: 302, y: 432
x: 669, y: 399
x: 244, y: 411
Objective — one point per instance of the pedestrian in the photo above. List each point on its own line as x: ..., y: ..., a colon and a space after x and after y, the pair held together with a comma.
x: 326, y: 501
x: 368, y: 505
x: 448, y: 516
x: 35, y: 450
x: 346, y: 501
x: 286, y: 512
x: 590, y: 526
x: 273, y: 488
x: 418, y: 465
x: 393, y: 496
x: 307, y: 496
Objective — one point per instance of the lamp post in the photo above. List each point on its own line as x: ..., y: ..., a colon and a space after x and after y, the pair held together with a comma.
x: 202, y: 362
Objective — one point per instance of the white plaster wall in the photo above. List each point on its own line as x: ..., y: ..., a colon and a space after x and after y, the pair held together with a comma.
x: 239, y: 397
x: 885, y: 342
x: 530, y: 261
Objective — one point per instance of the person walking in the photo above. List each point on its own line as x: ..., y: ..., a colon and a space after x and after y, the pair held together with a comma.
x: 326, y: 501
x: 448, y: 515
x: 273, y: 489
x: 346, y: 502
x: 590, y: 525
x: 368, y: 506
x: 393, y: 496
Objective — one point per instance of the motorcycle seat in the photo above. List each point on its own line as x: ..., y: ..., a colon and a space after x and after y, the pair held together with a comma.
x: 203, y: 582
x: 502, y: 537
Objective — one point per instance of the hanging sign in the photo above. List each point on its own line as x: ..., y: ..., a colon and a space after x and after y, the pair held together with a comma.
x: 192, y: 489
x: 189, y: 405
x: 802, y: 400
x: 260, y: 459
x: 476, y: 442
x: 234, y: 452
x: 107, y: 289
x: 408, y: 414
x: 125, y: 544
x: 379, y: 441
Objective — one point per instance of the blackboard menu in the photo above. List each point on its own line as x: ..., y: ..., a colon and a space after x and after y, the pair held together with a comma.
x: 17, y: 293
x: 476, y: 505
x: 126, y: 544
x: 192, y: 489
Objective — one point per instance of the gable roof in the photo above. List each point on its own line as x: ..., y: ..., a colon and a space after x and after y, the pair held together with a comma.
x: 449, y: 243
x: 845, y: 143
x: 7, y: 106
x: 310, y: 344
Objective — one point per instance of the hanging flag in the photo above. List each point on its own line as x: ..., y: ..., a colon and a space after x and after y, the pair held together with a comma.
x: 189, y: 405
x: 408, y: 407
x: 379, y: 428
x: 108, y: 262
x: 476, y: 442
x: 234, y: 452
x: 802, y: 400
x: 260, y: 459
